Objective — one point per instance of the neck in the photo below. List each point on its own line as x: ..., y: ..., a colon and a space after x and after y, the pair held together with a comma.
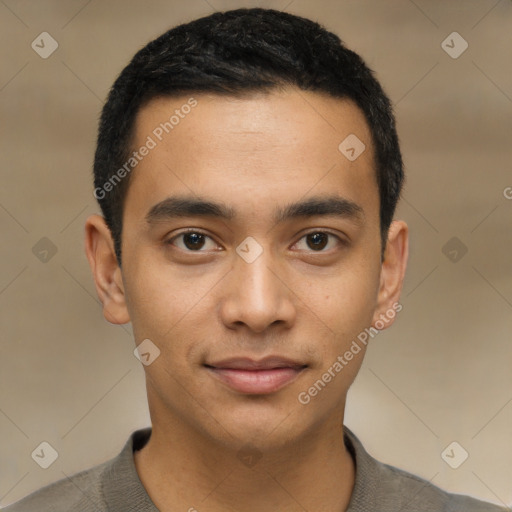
x: 182, y: 470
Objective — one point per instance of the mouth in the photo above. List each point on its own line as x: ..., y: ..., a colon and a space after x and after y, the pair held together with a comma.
x: 256, y: 377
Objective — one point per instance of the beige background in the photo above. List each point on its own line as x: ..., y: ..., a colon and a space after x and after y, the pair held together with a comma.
x: 441, y: 373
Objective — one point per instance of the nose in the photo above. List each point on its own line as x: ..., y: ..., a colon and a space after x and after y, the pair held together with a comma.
x: 257, y: 296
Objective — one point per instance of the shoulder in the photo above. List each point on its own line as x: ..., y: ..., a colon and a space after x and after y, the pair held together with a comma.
x: 385, y: 488
x: 80, y: 492
x: 107, y: 487
x: 416, y: 494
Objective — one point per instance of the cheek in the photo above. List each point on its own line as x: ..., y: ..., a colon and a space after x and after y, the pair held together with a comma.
x: 166, y: 303
x: 345, y: 307
x: 154, y: 304
x: 346, y: 299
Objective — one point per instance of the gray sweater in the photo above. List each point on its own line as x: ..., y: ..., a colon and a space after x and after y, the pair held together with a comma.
x: 114, y: 486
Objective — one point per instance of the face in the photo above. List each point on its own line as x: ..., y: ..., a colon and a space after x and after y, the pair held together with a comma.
x: 251, y: 260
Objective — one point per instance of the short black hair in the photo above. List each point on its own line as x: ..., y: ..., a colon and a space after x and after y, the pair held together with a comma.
x: 233, y: 53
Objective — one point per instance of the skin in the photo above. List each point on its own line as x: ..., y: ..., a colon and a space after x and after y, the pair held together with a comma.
x: 254, y: 154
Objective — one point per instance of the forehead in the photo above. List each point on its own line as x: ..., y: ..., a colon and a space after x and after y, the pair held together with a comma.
x: 290, y: 113
x: 277, y: 144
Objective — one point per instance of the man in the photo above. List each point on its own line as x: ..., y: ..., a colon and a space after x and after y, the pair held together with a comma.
x: 248, y: 170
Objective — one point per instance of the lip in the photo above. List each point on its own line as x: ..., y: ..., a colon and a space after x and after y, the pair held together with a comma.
x: 260, y: 377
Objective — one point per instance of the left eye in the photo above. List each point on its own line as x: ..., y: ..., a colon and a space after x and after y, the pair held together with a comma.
x: 193, y: 241
x: 318, y: 240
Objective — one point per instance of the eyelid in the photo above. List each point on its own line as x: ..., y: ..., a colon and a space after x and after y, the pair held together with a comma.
x: 343, y: 241
x: 169, y: 241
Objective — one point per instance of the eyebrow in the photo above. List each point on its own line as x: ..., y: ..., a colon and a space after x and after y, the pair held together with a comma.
x: 189, y: 206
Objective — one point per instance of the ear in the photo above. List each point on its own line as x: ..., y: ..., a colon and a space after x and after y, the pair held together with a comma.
x: 392, y: 275
x: 99, y: 248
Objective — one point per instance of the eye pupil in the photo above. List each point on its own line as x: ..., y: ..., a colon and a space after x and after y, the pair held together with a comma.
x: 319, y: 240
x: 193, y: 240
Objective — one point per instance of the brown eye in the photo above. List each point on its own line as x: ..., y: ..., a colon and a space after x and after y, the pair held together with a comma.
x: 192, y: 241
x: 317, y: 241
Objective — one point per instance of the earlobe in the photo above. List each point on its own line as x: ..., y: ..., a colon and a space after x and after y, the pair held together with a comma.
x: 392, y: 274
x: 99, y: 248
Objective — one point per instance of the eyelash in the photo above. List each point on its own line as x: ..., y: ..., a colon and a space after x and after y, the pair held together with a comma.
x: 341, y: 241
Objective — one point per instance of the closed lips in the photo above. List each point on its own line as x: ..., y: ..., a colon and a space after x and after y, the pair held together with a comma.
x: 249, y: 376
x: 247, y: 364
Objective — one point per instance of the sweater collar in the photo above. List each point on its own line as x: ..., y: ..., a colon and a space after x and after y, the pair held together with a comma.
x: 123, y: 489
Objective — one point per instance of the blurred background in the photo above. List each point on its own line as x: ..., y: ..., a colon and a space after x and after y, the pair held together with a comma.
x: 440, y: 374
